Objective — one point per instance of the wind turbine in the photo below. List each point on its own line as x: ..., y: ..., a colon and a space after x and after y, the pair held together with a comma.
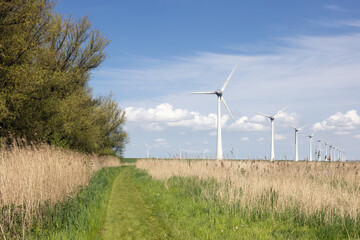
x: 319, y: 152
x: 272, y: 118
x: 310, y: 146
x: 343, y: 156
x: 331, y: 155
x: 296, y: 140
x: 326, y: 152
x: 338, y: 153
x: 220, y: 98
x: 147, y: 150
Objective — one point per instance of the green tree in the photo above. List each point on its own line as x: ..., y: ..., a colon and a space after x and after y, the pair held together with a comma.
x: 45, y: 65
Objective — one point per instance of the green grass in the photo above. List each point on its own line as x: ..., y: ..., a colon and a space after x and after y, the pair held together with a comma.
x: 126, y: 203
x: 128, y: 215
x: 128, y: 160
x: 81, y: 217
x: 189, y: 216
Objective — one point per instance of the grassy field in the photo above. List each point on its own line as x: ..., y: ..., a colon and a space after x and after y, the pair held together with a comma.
x: 276, y: 200
x: 173, y: 199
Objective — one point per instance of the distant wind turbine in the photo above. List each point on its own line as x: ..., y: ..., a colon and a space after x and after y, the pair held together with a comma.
x: 319, y: 151
x: 147, y: 150
x: 310, y: 146
x: 272, y: 118
x: 220, y: 98
x: 338, y: 153
x: 296, y: 140
x: 331, y: 155
x: 326, y: 152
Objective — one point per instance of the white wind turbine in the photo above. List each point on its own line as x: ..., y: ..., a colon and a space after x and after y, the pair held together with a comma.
x: 220, y: 98
x: 319, y: 151
x: 296, y: 140
x: 147, y: 150
x: 310, y: 146
x: 338, y: 153
x: 326, y: 152
x: 331, y: 156
x: 272, y: 118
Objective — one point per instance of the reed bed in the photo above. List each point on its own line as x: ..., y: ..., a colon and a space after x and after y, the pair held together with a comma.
x: 32, y: 176
x: 328, y: 191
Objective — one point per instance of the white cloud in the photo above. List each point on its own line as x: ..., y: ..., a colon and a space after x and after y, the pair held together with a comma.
x: 242, y: 124
x: 340, y: 23
x: 257, y: 118
x: 153, y: 126
x: 213, y: 133
x: 260, y: 139
x: 342, y: 133
x: 245, y: 139
x: 288, y: 117
x: 357, y: 136
x: 156, y: 119
x: 161, y: 143
x: 161, y: 113
x: 280, y: 137
x: 340, y: 122
x: 200, y: 122
x: 334, y: 8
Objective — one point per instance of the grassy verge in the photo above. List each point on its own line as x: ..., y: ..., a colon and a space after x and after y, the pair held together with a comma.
x: 81, y: 217
x: 181, y: 205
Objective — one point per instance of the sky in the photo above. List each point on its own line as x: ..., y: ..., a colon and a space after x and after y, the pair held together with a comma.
x: 301, y: 54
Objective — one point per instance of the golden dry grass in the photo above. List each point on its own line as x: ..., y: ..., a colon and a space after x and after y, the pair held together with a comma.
x: 329, y: 189
x: 30, y: 176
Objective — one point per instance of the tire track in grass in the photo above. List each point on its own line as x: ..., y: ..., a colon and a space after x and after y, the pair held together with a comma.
x: 128, y: 216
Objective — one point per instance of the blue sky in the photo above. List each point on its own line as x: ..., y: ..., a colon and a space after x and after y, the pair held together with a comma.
x: 304, y: 54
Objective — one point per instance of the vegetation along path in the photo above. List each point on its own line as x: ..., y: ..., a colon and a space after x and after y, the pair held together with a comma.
x: 128, y: 215
x: 140, y: 207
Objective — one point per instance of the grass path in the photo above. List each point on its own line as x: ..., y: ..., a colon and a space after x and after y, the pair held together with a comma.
x: 128, y: 215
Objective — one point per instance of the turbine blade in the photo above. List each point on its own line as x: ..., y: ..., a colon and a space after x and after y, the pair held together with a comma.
x: 292, y: 126
x: 313, y: 133
x: 278, y: 113
x: 227, y: 108
x: 210, y: 92
x: 303, y: 126
x: 268, y: 116
x: 227, y: 80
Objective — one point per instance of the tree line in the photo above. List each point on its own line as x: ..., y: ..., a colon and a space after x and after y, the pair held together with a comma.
x: 45, y: 64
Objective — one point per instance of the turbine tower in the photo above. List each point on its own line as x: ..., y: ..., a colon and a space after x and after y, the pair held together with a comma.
x: 326, y: 152
x: 220, y: 98
x: 296, y: 140
x: 338, y: 153
x: 310, y: 146
x: 147, y: 150
x: 272, y: 118
x: 319, y: 152
x: 331, y: 156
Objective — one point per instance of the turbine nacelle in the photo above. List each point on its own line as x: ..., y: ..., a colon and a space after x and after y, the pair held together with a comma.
x: 219, y: 93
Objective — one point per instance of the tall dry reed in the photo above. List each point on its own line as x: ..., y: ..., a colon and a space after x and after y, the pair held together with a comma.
x: 330, y: 190
x: 33, y: 175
